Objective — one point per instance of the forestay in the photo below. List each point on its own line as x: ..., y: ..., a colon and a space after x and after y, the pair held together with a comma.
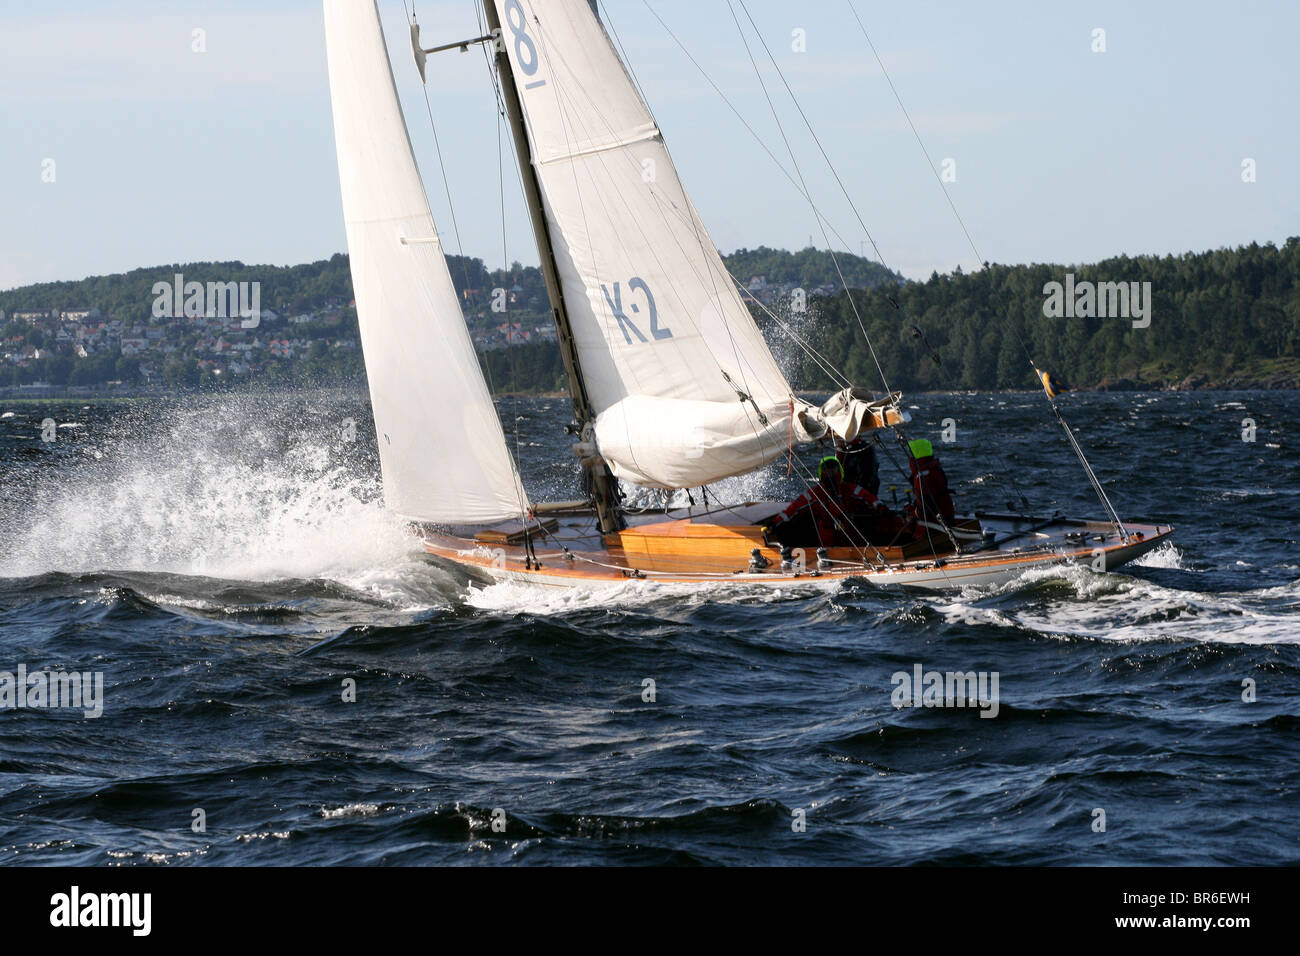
x: 441, y: 446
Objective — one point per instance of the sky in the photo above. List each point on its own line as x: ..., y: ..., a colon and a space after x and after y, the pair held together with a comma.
x: 123, y: 146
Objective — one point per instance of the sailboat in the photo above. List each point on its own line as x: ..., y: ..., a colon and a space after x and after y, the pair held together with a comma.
x: 672, y: 383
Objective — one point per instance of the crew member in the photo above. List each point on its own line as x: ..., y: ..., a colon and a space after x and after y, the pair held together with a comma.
x: 860, y: 466
x: 930, y: 498
x: 838, y: 509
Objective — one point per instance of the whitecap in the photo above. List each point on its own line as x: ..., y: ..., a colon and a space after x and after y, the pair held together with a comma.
x: 350, y: 810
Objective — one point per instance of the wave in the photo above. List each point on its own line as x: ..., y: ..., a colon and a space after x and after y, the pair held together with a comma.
x: 1073, y: 601
x: 522, y: 597
x: 245, y: 489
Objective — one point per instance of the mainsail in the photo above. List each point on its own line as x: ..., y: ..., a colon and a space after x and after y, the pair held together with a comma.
x: 441, y: 446
x: 684, y: 388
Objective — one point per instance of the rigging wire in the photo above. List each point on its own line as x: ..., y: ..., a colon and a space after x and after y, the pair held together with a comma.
x: 460, y: 247
x: 710, y: 254
x: 812, y: 132
x: 808, y: 123
x: 794, y: 161
x: 1074, y: 444
x: 762, y: 144
x: 690, y: 220
x: 604, y: 18
x: 821, y: 223
x: 823, y: 363
x: 919, y: 142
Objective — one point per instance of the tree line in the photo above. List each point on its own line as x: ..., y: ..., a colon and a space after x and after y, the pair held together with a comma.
x: 1227, y: 316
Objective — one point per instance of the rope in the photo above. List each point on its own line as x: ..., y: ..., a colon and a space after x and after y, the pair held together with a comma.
x: 428, y: 107
x: 822, y: 362
x: 907, y: 116
x: 795, y: 162
x: 789, y: 465
x: 1083, y: 460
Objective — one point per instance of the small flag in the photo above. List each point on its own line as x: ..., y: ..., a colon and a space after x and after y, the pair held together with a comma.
x: 1052, y: 386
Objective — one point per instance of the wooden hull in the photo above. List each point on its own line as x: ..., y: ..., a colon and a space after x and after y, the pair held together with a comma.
x: 563, y: 550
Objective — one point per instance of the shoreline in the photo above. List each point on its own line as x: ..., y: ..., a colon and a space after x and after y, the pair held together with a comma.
x: 62, y: 395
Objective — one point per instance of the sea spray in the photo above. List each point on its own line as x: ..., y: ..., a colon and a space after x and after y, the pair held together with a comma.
x: 244, y: 487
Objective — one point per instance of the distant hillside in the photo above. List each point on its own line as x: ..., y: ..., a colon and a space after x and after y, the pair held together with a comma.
x: 312, y: 285
x: 809, y: 268
x: 1226, y: 318
x: 1229, y: 318
x: 88, y: 332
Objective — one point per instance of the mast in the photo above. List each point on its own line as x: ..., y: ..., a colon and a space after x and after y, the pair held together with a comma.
x: 600, y: 479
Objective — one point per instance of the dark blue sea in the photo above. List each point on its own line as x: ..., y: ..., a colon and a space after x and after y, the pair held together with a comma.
x: 226, y: 566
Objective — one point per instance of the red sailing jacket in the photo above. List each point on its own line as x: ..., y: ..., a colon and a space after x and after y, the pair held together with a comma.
x: 930, y: 489
x: 831, y: 513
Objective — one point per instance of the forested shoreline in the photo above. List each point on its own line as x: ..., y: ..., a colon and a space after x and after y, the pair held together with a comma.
x: 1227, y: 318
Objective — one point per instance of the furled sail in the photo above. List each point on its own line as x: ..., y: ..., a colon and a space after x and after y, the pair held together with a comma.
x: 441, y: 447
x: 684, y: 387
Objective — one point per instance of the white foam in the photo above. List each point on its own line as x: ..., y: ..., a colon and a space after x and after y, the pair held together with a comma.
x: 1166, y: 556
x: 284, y: 502
x: 973, y: 614
x: 518, y: 597
x: 350, y: 810
x: 1115, y: 606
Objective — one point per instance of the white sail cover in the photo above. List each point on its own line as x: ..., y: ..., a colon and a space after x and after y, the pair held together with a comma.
x: 441, y: 447
x: 658, y: 323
